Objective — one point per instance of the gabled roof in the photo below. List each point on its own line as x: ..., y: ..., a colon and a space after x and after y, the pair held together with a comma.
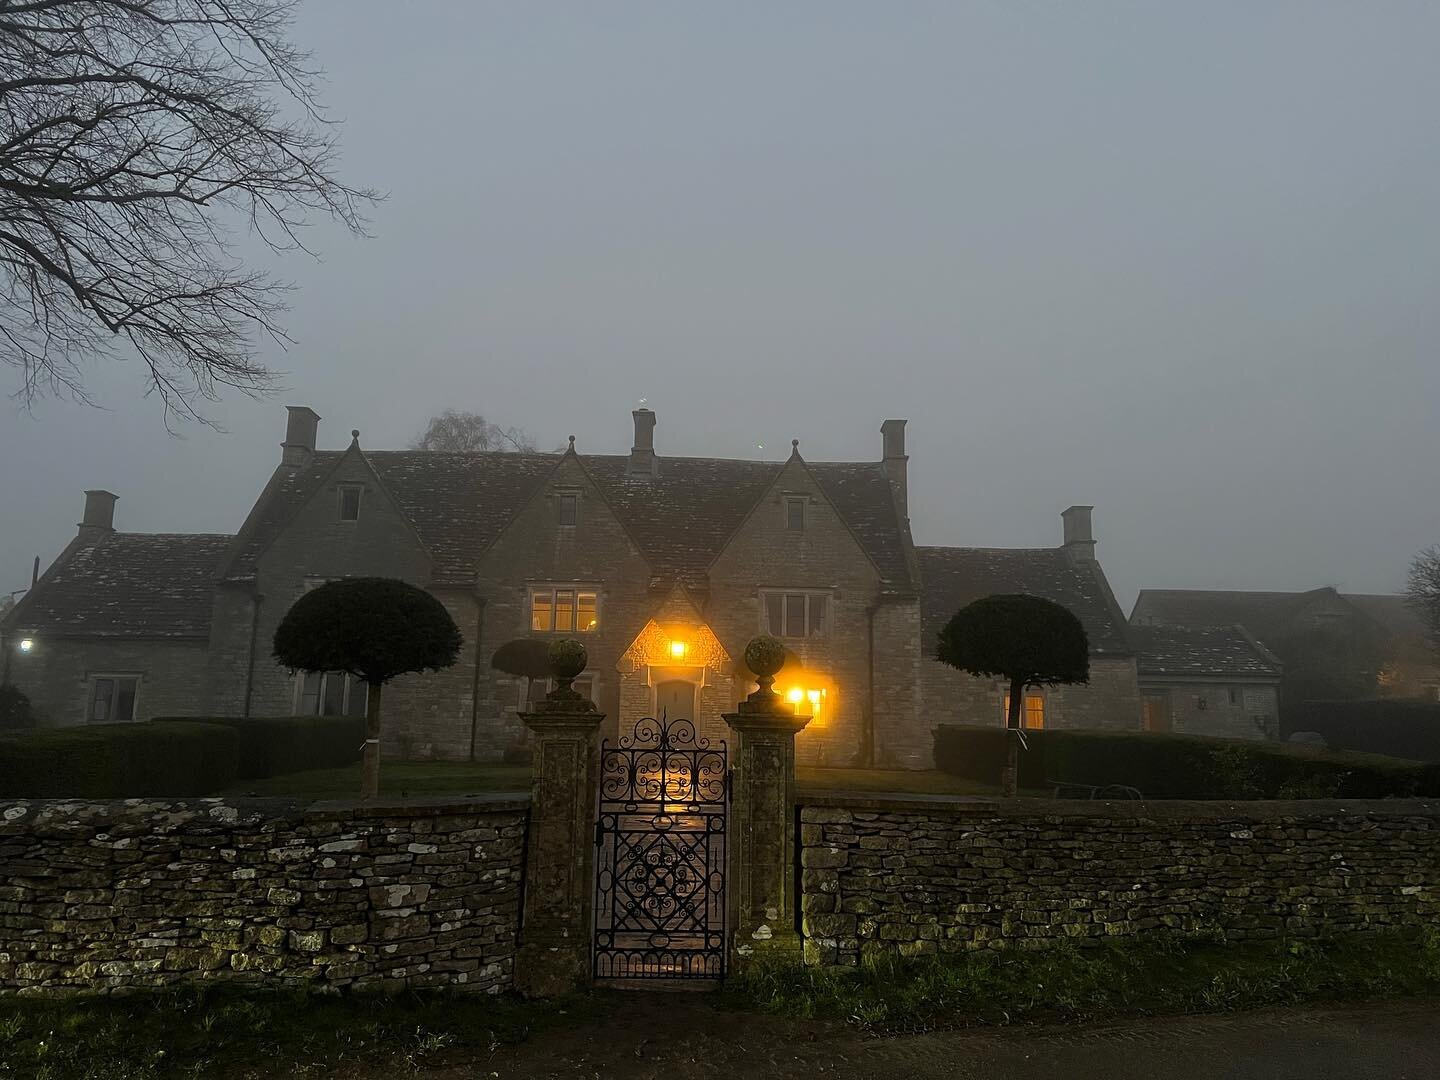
x: 950, y: 578
x: 1200, y: 650
x: 681, y: 518
x: 1268, y: 616
x: 1392, y: 612
x: 127, y: 585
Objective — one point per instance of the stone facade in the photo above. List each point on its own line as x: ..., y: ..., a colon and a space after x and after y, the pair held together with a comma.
x: 924, y: 876
x: 1223, y: 708
x: 108, y: 895
x: 684, y: 554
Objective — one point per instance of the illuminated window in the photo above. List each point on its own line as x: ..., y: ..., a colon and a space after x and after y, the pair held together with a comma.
x: 569, y: 505
x: 1033, y: 715
x: 350, y: 502
x: 564, y: 611
x: 796, y: 614
x: 112, y: 698
x: 330, y: 693
x: 795, y: 514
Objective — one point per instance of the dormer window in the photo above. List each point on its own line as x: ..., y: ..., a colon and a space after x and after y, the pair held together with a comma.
x: 569, y: 507
x: 350, y: 502
x: 795, y: 513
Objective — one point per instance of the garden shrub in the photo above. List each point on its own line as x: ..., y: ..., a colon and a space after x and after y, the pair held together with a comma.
x: 273, y: 745
x: 1183, y: 766
x: 118, y: 761
x: 16, y: 713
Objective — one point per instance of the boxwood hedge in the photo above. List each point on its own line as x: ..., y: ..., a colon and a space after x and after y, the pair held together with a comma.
x: 1183, y: 766
x: 272, y: 745
x: 116, y: 761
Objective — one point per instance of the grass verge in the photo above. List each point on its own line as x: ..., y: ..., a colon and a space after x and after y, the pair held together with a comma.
x: 232, y: 1033
x: 239, y: 1035
x: 893, y: 995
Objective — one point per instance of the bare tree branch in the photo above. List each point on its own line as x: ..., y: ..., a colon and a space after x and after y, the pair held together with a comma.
x: 135, y: 137
x: 1422, y: 591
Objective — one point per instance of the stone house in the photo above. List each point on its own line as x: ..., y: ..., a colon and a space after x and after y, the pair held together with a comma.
x: 665, y: 567
x: 1207, y: 680
x: 1331, y: 645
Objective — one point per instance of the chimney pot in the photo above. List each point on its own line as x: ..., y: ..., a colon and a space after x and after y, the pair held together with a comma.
x: 1079, y: 539
x: 299, y: 445
x: 642, y: 453
x: 99, y: 518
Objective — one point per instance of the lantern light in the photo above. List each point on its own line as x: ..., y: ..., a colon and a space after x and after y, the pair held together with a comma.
x: 678, y: 649
x: 26, y: 644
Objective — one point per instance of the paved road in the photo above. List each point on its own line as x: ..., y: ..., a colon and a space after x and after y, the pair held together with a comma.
x: 677, y: 1040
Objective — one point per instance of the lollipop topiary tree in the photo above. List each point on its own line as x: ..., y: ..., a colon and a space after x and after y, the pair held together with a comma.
x: 373, y: 629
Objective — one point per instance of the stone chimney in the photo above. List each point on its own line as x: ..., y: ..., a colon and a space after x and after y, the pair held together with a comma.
x: 892, y: 433
x: 642, y: 454
x: 99, y: 519
x: 299, y: 445
x: 1079, y: 540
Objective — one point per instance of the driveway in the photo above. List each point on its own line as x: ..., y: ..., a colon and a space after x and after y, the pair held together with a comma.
x: 681, y: 1037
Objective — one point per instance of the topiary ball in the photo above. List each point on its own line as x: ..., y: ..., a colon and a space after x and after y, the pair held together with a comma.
x: 567, y: 658
x: 765, y: 655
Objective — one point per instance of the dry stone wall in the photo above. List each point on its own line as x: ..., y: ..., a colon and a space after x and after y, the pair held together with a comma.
x: 105, y: 896
x: 925, y: 876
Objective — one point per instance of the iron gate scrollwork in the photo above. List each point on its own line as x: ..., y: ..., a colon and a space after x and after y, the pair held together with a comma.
x: 660, y: 854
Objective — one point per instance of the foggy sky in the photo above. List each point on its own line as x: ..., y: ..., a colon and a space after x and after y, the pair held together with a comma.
x: 1175, y: 260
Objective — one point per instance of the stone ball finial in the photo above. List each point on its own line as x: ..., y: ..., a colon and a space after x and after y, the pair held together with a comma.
x: 355, y: 434
x: 567, y: 659
x: 572, y: 442
x: 765, y: 655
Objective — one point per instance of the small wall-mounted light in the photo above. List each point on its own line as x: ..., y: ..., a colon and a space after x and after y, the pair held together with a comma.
x: 26, y: 644
x: 678, y: 649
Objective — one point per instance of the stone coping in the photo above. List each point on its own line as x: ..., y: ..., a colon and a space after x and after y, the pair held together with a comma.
x: 1139, y: 809
x: 19, y: 812
x: 489, y: 802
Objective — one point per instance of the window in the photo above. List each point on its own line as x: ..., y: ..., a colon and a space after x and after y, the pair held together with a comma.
x: 330, y: 693
x: 795, y: 514
x: 569, y: 505
x: 350, y: 502
x: 1234, y: 695
x: 796, y: 614
x: 112, y: 699
x: 564, y: 610
x: 1202, y: 702
x: 1032, y: 716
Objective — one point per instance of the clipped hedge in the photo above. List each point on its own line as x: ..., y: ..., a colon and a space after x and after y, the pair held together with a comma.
x: 118, y: 761
x: 1400, y: 728
x: 1183, y: 766
x: 272, y: 745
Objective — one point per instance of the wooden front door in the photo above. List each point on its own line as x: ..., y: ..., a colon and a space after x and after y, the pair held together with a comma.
x: 675, y: 699
x: 1157, y: 712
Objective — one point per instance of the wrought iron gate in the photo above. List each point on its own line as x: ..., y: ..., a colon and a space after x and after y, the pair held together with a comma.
x: 660, y: 854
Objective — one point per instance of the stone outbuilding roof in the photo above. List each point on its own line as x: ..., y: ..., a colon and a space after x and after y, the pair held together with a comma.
x: 1214, y: 651
x: 1269, y: 616
x: 681, y: 517
x: 953, y: 577
x: 127, y: 585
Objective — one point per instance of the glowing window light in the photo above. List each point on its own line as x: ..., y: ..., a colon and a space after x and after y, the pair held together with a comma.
x: 814, y: 696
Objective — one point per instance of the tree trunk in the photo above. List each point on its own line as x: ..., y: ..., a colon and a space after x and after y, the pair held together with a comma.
x: 1010, y: 778
x: 370, y: 762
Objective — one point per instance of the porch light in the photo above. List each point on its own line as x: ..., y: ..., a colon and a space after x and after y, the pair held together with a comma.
x: 26, y: 644
x: 678, y: 649
x: 795, y: 696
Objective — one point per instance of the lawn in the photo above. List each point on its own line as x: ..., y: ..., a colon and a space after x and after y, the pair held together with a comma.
x: 408, y: 779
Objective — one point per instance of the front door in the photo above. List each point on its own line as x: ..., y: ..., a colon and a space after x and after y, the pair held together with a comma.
x: 675, y: 699
x: 1157, y: 712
